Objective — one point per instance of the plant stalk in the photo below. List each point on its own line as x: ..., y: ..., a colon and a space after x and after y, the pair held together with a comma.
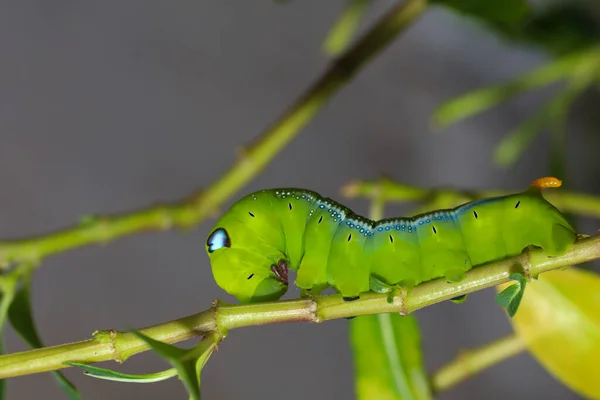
x: 113, y: 345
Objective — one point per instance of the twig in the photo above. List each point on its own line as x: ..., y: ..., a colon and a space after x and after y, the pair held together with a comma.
x: 253, y: 159
x: 473, y: 361
x: 113, y: 345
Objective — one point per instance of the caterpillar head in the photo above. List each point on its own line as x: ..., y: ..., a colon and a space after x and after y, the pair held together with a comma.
x: 245, y: 251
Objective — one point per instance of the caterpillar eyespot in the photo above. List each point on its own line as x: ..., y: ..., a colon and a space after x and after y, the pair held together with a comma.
x: 327, y: 244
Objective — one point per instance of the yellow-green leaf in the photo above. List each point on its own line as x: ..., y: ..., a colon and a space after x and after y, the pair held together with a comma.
x: 559, y: 320
x: 387, y: 358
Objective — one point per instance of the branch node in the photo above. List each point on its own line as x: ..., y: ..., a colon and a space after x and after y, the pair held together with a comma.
x: 399, y: 300
x: 109, y: 336
x: 525, y: 261
x: 313, y: 310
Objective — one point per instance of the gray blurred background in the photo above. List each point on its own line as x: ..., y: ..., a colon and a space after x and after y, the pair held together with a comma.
x: 113, y: 105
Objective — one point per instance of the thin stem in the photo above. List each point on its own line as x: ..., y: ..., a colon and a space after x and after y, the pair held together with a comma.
x: 253, y: 159
x: 471, y: 362
x: 113, y: 345
x: 577, y: 203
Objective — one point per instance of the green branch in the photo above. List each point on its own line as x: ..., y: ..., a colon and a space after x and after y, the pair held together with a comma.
x: 471, y: 362
x: 572, y: 202
x: 252, y: 160
x: 113, y: 345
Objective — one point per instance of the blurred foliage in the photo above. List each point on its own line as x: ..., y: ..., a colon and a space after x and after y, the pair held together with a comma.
x: 566, y: 31
x: 388, y: 362
x: 559, y: 28
x: 501, y: 13
x: 560, y: 324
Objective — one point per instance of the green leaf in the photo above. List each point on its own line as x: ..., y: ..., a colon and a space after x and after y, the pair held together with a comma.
x: 342, y: 31
x: 20, y: 316
x: 559, y: 322
x: 103, y: 373
x: 490, y: 11
x: 388, y: 361
x: 188, y: 363
x: 510, y: 298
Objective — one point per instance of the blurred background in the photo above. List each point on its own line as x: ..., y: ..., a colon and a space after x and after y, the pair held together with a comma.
x: 110, y: 106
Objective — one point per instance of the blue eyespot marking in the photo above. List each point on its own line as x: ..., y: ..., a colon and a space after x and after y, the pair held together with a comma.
x: 218, y: 239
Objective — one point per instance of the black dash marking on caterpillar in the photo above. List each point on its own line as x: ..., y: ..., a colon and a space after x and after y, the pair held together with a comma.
x: 434, y: 230
x: 391, y: 239
x: 251, y: 275
x: 350, y: 317
x: 320, y: 219
x: 517, y: 205
x: 252, y: 215
x: 290, y: 205
x: 351, y: 298
x: 475, y: 214
x: 349, y: 237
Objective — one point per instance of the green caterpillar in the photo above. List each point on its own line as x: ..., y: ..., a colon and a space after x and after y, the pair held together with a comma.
x: 267, y: 233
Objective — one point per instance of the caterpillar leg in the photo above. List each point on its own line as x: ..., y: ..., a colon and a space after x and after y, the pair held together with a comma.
x: 459, y: 299
x: 378, y: 286
x: 351, y: 299
x: 454, y: 275
x: 561, y: 239
x: 281, y: 271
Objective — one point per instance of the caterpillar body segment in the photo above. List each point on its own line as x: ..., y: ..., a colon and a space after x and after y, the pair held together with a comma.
x: 252, y: 246
x: 322, y: 224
